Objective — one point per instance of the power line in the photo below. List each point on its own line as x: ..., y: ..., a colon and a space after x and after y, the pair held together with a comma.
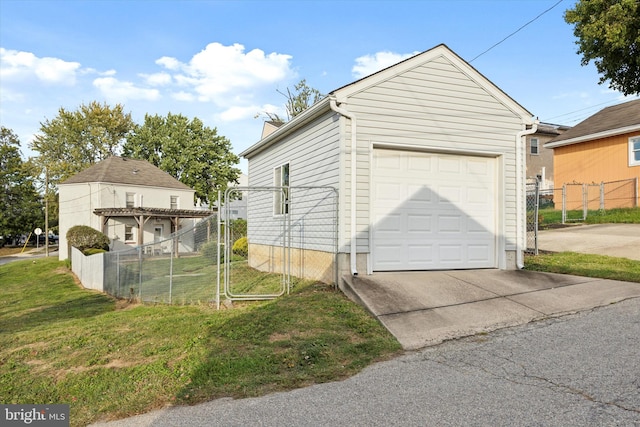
x: 516, y: 31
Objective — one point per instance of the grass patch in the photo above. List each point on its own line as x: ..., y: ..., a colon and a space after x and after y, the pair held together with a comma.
x: 109, y: 359
x: 601, y: 266
x: 550, y: 217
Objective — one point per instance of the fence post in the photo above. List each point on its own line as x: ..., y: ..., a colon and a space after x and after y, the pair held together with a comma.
x: 171, y: 269
x: 635, y: 189
x: 564, y: 203
x: 585, y: 201
x: 118, y: 275
x: 218, y: 250
x: 140, y: 273
x: 535, y: 219
x: 602, y: 195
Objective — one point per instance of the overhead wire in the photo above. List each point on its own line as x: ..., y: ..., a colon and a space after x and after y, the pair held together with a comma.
x: 517, y: 31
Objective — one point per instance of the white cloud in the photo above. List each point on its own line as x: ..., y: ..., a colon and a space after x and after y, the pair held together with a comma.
x: 118, y: 90
x: 157, y: 79
x: 23, y: 65
x: 183, y: 96
x: 218, y: 70
x: 238, y: 113
x: 369, y: 64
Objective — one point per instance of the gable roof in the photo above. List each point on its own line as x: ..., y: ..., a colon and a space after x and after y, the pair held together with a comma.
x: 121, y: 170
x: 342, y: 93
x: 615, y: 120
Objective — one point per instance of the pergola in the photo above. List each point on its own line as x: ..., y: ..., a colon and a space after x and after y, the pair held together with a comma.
x: 142, y: 215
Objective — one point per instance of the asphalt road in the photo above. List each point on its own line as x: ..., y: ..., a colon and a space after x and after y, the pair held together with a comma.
x: 576, y: 370
x: 23, y: 256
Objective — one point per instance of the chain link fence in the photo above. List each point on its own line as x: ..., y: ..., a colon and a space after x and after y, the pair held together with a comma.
x: 181, y: 269
x: 290, y: 234
x: 580, y: 198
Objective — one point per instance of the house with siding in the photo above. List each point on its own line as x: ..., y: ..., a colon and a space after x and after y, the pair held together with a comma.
x: 131, y: 201
x: 539, y: 159
x: 428, y: 160
x: 605, y: 147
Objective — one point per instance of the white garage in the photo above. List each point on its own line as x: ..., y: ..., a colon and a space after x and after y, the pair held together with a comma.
x: 428, y: 160
x: 433, y: 211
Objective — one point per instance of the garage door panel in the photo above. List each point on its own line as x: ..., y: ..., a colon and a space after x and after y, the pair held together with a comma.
x: 419, y: 223
x: 435, y: 211
x: 478, y: 253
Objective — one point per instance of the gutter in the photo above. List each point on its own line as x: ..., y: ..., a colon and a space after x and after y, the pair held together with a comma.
x: 520, y: 224
x: 354, y: 234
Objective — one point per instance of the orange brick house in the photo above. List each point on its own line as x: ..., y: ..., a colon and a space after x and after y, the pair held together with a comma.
x: 604, y: 148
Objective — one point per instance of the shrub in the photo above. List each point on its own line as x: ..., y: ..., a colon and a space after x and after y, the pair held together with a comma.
x: 93, y: 251
x: 84, y: 237
x: 241, y: 247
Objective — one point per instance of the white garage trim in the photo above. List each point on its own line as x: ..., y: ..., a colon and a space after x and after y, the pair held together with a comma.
x: 424, y: 215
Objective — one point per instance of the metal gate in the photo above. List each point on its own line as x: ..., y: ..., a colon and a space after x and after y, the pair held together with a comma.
x: 291, y: 234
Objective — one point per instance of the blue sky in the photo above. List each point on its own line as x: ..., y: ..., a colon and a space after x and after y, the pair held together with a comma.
x: 223, y: 61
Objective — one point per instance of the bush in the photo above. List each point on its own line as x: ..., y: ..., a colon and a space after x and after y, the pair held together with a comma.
x: 241, y: 247
x: 93, y: 251
x: 84, y: 237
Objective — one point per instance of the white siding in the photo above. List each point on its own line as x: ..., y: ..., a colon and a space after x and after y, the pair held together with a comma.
x: 313, y: 156
x: 78, y: 201
x: 435, y: 106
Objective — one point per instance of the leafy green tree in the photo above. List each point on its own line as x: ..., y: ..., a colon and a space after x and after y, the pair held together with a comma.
x: 302, y: 97
x: 21, y: 209
x: 608, y: 33
x: 74, y: 140
x: 187, y: 150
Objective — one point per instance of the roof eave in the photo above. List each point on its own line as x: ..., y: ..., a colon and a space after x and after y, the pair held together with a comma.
x: 306, y: 116
x: 593, y: 136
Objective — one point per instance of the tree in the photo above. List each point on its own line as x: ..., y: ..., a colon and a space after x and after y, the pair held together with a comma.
x: 20, y: 204
x: 608, y: 33
x: 74, y: 140
x: 299, y: 100
x: 189, y: 151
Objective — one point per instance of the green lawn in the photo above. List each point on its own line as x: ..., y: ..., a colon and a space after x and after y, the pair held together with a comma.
x: 109, y: 359
x: 548, y: 217
x: 601, y: 266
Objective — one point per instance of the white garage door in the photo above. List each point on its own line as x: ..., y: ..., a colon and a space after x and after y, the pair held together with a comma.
x: 433, y: 211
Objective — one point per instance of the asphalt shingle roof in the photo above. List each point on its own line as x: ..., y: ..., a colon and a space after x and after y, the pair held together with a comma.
x: 608, y: 119
x: 120, y: 170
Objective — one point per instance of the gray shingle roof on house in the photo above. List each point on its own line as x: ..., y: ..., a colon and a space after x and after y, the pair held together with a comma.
x: 622, y: 117
x: 120, y: 170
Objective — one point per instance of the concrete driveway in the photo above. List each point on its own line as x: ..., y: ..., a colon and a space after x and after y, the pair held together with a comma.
x: 426, y: 308
x: 617, y: 240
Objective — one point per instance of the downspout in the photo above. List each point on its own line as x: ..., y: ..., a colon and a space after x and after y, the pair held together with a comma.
x: 520, y: 225
x: 342, y: 111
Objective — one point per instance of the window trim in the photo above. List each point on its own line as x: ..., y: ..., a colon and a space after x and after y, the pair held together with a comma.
x: 130, y: 200
x: 281, y: 198
x: 173, y: 199
x: 132, y: 239
x: 537, y: 153
x: 632, y: 141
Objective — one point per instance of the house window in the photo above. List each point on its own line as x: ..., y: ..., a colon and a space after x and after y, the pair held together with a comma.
x: 174, y: 202
x: 281, y: 199
x: 634, y: 151
x: 130, y: 199
x: 534, y: 146
x: 128, y: 233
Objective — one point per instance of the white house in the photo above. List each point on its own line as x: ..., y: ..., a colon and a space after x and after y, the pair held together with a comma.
x: 131, y: 201
x: 428, y: 159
